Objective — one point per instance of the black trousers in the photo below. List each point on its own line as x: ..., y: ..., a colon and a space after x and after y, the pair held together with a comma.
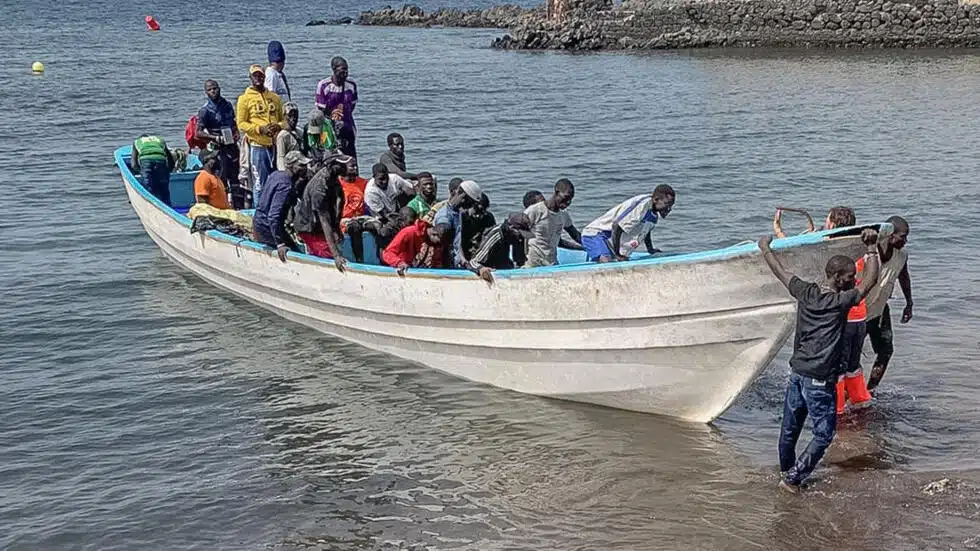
x: 882, y: 340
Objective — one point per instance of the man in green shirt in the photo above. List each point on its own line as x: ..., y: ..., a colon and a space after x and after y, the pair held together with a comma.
x: 425, y: 195
x: 153, y: 161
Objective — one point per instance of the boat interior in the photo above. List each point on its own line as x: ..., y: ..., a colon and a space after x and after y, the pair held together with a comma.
x: 182, y: 199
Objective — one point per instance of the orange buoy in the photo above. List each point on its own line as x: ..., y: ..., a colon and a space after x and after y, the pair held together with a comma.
x: 151, y: 24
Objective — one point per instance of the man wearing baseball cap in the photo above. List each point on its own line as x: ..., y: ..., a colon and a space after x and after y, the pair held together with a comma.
x: 260, y: 118
x: 467, y: 196
x: 277, y: 200
x: 500, y: 245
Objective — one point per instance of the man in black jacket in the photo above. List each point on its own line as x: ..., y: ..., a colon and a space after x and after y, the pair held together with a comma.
x: 820, y: 321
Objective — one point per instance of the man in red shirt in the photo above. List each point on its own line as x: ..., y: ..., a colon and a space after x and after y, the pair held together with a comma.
x: 416, y: 246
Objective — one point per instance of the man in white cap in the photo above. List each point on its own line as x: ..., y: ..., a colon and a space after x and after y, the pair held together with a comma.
x: 259, y: 116
x: 467, y: 196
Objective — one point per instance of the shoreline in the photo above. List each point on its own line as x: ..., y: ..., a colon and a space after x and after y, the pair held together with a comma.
x: 598, y: 25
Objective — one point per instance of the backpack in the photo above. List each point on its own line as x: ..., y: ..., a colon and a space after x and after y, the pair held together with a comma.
x: 190, y: 134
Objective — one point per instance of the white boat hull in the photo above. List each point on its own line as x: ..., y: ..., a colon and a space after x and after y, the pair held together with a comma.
x: 677, y: 337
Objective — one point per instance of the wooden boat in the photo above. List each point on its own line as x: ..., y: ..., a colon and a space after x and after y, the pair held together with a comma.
x: 680, y: 335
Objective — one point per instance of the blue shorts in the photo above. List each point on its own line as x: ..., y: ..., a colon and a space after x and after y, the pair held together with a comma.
x: 596, y: 246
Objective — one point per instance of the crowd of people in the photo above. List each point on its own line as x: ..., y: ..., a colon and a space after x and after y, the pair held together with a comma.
x: 307, y: 193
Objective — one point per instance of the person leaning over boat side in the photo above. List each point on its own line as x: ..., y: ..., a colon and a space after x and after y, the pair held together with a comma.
x: 337, y: 97
x: 154, y: 161
x: 820, y: 322
x: 502, y: 247
x: 451, y: 214
x: 894, y: 268
x: 617, y: 233
x: 208, y: 188
x: 385, y: 193
x: 289, y: 138
x: 394, y: 158
x: 548, y: 220
x: 476, y: 221
x: 216, y: 125
x: 316, y: 216
x: 425, y: 194
x: 260, y: 118
x: 275, y: 79
x: 269, y: 221
x: 416, y: 246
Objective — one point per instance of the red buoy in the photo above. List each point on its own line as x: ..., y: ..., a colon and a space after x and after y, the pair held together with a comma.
x: 151, y: 24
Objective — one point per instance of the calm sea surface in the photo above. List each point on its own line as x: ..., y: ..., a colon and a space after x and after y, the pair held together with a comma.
x: 141, y: 408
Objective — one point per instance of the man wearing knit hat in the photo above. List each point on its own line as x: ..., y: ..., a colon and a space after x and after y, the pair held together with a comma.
x: 275, y: 80
x: 467, y: 196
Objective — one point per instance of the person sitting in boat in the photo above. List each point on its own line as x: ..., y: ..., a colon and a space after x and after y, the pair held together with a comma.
x: 451, y: 214
x: 820, y: 322
x: 617, y: 233
x: 533, y: 197
x: 282, y: 192
x: 319, y: 140
x: 394, y: 158
x: 476, y: 220
x: 316, y: 216
x: 385, y: 193
x: 425, y: 195
x: 548, y: 220
x: 289, y: 138
x: 417, y: 246
x: 153, y: 160
x: 502, y: 247
x: 837, y: 217
x: 453, y: 187
x: 208, y: 188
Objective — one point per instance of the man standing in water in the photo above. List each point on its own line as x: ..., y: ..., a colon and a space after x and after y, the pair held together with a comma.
x: 337, y: 97
x: 260, y: 117
x: 548, y: 220
x: 894, y: 268
x: 820, y: 321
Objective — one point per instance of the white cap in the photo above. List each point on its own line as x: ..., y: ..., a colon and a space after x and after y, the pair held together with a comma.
x: 472, y: 189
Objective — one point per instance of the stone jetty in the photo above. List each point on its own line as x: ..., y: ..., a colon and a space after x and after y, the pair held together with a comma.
x: 591, y: 25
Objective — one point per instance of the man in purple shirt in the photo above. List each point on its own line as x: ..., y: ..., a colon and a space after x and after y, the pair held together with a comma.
x: 337, y: 97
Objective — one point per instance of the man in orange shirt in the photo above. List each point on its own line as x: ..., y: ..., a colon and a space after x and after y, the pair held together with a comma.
x: 207, y: 186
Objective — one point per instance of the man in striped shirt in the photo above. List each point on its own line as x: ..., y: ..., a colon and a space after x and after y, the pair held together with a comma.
x: 617, y: 233
x: 502, y: 247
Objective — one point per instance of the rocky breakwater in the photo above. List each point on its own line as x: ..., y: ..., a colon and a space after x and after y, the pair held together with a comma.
x: 499, y: 17
x: 654, y: 24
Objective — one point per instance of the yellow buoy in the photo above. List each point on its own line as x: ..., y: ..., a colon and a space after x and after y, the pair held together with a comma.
x: 37, y: 68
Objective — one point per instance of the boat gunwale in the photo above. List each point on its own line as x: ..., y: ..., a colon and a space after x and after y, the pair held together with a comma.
x: 699, y: 257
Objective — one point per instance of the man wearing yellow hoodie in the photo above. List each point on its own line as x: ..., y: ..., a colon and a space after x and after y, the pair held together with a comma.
x: 260, y: 118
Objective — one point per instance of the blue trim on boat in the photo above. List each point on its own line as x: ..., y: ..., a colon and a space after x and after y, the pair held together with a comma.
x: 743, y: 249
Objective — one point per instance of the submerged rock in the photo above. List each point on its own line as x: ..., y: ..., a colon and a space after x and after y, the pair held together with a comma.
x: 337, y: 21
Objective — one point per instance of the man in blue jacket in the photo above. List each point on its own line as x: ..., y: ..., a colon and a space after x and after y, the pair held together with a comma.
x: 282, y: 189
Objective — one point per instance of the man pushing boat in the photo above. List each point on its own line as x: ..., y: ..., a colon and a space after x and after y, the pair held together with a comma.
x: 820, y: 322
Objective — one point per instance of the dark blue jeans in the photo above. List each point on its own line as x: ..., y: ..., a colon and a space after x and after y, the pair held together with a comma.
x: 156, y: 179
x: 818, y: 399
